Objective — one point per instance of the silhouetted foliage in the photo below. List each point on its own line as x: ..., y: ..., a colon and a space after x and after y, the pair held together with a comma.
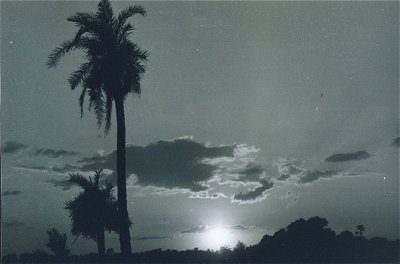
x: 301, y: 241
x: 239, y: 251
x: 240, y: 246
x: 113, y: 69
x: 38, y: 255
x: 57, y: 243
x: 361, y: 229
x: 94, y: 210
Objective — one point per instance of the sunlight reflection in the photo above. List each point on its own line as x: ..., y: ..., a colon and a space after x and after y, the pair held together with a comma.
x: 218, y: 236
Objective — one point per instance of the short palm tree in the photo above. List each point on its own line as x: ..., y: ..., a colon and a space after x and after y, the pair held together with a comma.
x: 113, y: 69
x: 93, y: 211
x: 57, y: 243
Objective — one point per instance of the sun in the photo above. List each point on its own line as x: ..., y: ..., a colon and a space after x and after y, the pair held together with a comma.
x: 217, y: 236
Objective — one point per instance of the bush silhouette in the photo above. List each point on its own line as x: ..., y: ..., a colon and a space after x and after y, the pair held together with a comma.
x: 361, y: 229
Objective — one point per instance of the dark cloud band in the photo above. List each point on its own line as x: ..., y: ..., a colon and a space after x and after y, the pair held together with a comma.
x: 396, y: 142
x: 254, y: 194
x: 311, y: 176
x: 170, y: 164
x: 197, y: 229
x: 342, y: 157
x: 52, y: 153
x: 11, y: 147
x: 8, y: 193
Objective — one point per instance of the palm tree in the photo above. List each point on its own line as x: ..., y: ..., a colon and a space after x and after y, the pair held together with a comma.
x: 57, y: 243
x: 93, y: 211
x: 113, y: 69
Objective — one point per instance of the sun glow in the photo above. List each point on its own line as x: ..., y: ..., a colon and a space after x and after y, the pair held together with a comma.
x: 218, y: 236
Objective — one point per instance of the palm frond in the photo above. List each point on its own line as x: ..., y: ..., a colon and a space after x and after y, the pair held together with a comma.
x: 128, y: 12
x: 82, y: 19
x: 133, y: 52
x: 105, y: 11
x: 79, y: 34
x: 57, y: 243
x: 97, y: 174
x: 96, y: 102
x: 77, y: 76
x: 80, y: 180
x: 108, y: 188
x: 82, y: 99
x: 90, y: 44
x: 77, y: 43
x: 113, y: 64
x: 108, y: 110
x: 57, y: 53
x: 125, y: 31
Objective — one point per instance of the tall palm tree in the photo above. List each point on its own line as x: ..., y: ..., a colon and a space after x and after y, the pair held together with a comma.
x: 93, y: 211
x: 113, y: 69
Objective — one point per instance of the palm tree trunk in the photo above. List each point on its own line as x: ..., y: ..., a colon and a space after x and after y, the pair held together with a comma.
x: 101, y: 244
x: 123, y: 219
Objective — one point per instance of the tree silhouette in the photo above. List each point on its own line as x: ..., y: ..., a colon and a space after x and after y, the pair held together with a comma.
x: 113, y: 69
x: 240, y: 246
x: 57, y: 243
x: 302, y: 241
x: 361, y: 229
x: 93, y: 211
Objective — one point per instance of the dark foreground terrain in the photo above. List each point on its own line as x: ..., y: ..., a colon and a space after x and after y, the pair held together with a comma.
x: 302, y: 241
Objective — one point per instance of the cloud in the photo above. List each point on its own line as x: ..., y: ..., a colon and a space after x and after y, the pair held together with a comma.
x: 342, y: 157
x: 288, y: 168
x: 52, y: 153
x: 11, y: 147
x: 239, y: 170
x: 311, y: 176
x: 62, y: 169
x: 289, y: 171
x: 254, y: 195
x: 205, y: 228
x: 65, y: 168
x: 178, y: 166
x: 176, y: 163
x: 396, y: 142
x: 252, y: 172
x: 283, y: 177
x: 31, y: 167
x: 207, y: 195
x: 8, y: 193
x: 238, y: 228
x: 197, y: 229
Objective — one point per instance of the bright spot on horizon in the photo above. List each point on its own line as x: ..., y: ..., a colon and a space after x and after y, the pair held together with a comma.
x: 218, y: 236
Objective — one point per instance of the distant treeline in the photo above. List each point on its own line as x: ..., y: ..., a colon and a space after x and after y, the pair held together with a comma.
x: 302, y: 241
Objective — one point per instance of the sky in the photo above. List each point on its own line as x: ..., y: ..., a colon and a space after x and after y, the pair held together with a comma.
x: 252, y: 115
